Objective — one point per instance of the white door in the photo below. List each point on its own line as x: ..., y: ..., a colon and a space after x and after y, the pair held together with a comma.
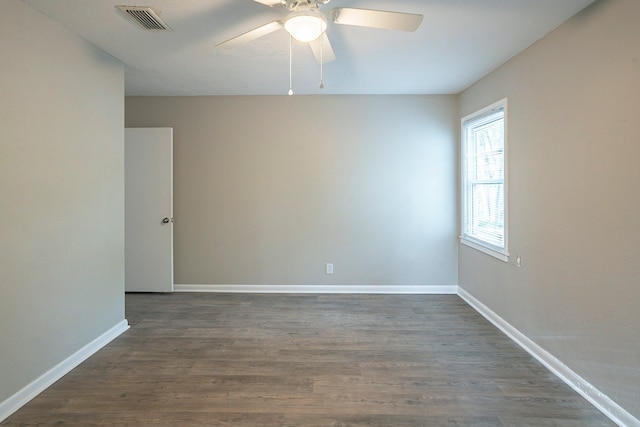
x: 148, y: 159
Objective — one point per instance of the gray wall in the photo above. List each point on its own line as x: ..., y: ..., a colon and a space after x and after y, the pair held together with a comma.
x: 268, y: 189
x: 61, y: 182
x: 574, y: 139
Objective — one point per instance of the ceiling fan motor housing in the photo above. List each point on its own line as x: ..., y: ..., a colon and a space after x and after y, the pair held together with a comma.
x: 307, y: 4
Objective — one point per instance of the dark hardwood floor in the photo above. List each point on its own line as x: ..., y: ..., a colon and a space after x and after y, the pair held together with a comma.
x: 308, y: 360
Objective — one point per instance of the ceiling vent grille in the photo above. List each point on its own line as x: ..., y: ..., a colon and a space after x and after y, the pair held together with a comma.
x: 146, y: 17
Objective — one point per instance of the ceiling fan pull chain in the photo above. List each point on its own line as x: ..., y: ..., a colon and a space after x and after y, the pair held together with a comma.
x: 290, y: 64
x: 321, y: 61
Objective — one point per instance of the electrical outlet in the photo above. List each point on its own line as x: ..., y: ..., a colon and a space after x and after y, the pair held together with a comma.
x: 328, y: 268
x: 519, y: 262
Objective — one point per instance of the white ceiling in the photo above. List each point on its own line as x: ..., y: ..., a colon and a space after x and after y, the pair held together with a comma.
x: 458, y: 42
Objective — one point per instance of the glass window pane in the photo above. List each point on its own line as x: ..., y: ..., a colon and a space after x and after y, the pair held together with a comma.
x: 489, y: 166
x: 487, y: 215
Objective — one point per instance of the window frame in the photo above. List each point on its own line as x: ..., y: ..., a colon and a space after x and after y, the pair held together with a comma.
x: 471, y: 241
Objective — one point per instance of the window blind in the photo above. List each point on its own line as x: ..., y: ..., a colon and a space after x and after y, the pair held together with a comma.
x: 484, y: 179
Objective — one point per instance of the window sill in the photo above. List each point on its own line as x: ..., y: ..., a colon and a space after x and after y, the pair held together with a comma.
x: 502, y: 256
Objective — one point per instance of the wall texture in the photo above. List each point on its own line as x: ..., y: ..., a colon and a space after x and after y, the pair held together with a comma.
x: 269, y: 189
x: 574, y: 100
x: 61, y: 181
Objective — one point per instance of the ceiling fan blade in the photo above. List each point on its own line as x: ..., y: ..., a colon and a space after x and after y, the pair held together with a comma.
x: 270, y: 3
x: 322, y: 44
x: 251, y: 35
x: 376, y: 18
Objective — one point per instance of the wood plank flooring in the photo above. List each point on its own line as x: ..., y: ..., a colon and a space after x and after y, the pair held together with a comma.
x: 308, y: 360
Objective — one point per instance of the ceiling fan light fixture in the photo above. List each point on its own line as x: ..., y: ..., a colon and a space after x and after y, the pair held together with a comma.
x: 305, y: 26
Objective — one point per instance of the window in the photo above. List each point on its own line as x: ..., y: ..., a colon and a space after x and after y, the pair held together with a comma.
x: 484, y: 207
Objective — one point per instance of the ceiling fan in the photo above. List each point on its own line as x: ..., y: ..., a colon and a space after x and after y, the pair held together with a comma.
x: 306, y: 23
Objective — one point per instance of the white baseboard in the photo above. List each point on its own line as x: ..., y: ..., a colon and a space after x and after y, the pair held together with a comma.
x: 22, y: 397
x: 320, y: 289
x: 608, y: 407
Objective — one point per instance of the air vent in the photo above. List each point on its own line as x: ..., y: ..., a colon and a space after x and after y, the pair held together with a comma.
x: 146, y: 17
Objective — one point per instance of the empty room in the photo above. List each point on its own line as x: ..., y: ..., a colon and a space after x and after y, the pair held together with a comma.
x: 320, y: 213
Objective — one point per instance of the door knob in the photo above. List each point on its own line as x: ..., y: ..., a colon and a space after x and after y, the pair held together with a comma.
x: 165, y: 220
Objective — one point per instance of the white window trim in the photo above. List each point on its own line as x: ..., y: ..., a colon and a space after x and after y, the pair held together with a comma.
x: 501, y: 254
